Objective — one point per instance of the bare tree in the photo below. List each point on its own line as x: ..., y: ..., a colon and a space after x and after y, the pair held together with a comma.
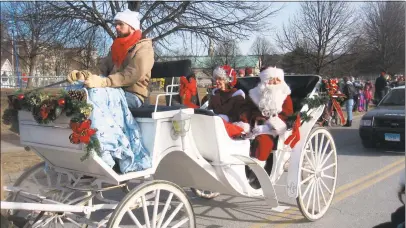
x: 227, y: 52
x: 36, y: 29
x: 162, y: 20
x: 263, y: 49
x: 384, y: 32
x: 322, y: 30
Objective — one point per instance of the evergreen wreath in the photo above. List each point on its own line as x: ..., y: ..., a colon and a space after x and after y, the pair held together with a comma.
x: 312, y: 103
x: 46, y: 108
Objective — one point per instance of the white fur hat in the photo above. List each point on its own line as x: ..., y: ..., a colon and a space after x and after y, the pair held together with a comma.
x: 271, y: 72
x: 129, y: 17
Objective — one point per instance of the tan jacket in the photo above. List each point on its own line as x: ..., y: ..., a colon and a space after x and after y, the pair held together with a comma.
x: 135, y: 72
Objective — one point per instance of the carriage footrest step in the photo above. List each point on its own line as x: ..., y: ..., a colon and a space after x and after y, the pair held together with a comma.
x: 280, y: 208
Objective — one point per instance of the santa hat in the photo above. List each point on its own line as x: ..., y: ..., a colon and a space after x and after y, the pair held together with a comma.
x: 129, y: 17
x: 227, y: 73
x: 271, y: 72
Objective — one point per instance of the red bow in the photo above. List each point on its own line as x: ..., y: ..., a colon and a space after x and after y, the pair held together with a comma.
x: 295, y: 136
x: 81, y: 132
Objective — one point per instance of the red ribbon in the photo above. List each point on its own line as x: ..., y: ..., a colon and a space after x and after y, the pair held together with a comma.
x: 81, y: 132
x: 294, y: 138
x: 340, y: 113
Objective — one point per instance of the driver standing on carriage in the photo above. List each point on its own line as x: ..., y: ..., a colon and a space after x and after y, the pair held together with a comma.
x: 267, y: 109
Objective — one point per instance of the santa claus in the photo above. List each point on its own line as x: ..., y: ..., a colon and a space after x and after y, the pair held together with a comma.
x: 226, y: 101
x: 267, y: 109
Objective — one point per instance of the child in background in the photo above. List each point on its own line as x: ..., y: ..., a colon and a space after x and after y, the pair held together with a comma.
x: 367, y: 94
x: 361, y: 100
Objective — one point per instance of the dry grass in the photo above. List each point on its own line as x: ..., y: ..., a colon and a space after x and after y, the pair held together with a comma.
x: 14, y: 162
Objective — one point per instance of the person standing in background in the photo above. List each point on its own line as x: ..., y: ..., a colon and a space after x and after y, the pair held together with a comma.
x: 349, y: 92
x: 380, y: 85
x: 367, y: 94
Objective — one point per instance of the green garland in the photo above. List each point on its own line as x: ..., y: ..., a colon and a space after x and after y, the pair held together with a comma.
x: 312, y: 103
x: 46, y: 108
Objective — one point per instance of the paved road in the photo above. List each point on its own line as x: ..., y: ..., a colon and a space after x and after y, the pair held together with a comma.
x: 365, y: 193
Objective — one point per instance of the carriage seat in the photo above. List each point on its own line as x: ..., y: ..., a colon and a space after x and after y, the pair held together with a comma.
x: 146, y: 111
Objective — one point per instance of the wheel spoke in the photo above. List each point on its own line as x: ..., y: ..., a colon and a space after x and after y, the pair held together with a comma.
x: 318, y: 196
x: 324, y: 184
x: 156, y: 205
x: 307, y: 170
x: 309, y: 161
x: 168, y: 202
x: 316, y: 149
x: 145, y: 209
x: 326, y: 159
x: 310, y: 196
x: 328, y: 176
x: 307, y: 188
x: 312, y: 152
x: 324, y: 150
x: 307, y: 179
x: 328, y: 167
x: 135, y: 220
x: 174, y: 213
x: 322, y: 194
x: 321, y: 147
x: 74, y: 222
x: 181, y: 222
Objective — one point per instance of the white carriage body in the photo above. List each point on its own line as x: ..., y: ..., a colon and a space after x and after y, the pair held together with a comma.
x: 209, y: 159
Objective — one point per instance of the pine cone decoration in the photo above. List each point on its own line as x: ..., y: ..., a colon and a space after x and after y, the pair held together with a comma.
x: 79, y: 95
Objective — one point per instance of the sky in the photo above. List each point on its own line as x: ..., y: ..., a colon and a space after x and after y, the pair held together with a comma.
x: 288, y: 10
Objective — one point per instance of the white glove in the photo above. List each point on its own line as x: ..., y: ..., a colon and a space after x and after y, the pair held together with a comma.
x: 261, y: 129
x: 245, y: 126
x: 277, y: 124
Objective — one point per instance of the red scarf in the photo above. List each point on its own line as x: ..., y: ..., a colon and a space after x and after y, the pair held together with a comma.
x: 120, y: 47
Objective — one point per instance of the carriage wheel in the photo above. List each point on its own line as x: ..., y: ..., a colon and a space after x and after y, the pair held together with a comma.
x: 154, y: 204
x: 205, y: 194
x: 318, y: 174
x: 46, y: 182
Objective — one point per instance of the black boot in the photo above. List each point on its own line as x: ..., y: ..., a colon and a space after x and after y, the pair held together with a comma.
x: 348, y: 124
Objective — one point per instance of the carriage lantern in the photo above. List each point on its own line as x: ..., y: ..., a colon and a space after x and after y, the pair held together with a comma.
x: 181, y: 123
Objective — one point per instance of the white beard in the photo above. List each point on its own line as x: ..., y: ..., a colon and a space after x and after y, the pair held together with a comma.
x: 270, y: 98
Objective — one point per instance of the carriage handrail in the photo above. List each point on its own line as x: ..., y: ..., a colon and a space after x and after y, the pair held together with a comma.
x: 167, y: 88
x: 159, y: 95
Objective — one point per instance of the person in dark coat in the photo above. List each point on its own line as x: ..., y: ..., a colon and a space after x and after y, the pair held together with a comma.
x: 226, y: 101
x: 349, y: 91
x: 380, y: 85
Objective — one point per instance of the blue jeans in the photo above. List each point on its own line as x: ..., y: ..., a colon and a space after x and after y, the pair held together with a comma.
x: 348, y: 106
x: 133, y: 100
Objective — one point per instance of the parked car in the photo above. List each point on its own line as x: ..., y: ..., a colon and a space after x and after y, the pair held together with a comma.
x: 386, y: 123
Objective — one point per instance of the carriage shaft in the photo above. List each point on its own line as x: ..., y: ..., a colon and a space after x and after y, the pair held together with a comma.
x: 45, y: 207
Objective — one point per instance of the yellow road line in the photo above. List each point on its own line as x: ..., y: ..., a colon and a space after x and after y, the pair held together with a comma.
x: 338, y: 191
x: 384, y: 169
x: 351, y: 192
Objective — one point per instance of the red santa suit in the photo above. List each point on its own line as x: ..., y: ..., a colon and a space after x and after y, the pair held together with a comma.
x: 267, y: 110
x: 227, y: 103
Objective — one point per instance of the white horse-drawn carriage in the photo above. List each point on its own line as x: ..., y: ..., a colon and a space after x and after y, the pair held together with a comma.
x: 190, y: 148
